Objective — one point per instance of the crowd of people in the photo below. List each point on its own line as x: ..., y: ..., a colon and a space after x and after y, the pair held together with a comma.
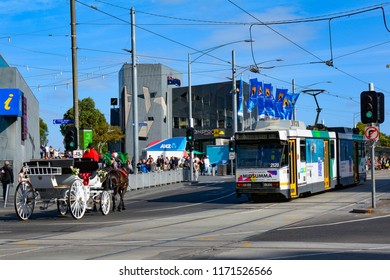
x: 201, y: 165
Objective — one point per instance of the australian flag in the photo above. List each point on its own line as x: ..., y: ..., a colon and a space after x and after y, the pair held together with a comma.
x: 173, y: 81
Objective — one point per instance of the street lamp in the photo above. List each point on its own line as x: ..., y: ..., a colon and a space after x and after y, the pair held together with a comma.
x: 205, y: 52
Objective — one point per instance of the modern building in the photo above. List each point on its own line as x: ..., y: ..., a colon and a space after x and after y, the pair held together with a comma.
x: 19, y: 119
x: 154, y: 94
x: 212, y: 113
x: 163, y: 108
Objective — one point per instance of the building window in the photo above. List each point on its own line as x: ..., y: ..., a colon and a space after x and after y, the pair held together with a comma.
x: 221, y: 123
x: 198, y: 123
x: 176, y: 122
x: 206, y: 123
x: 183, y: 122
x: 229, y: 122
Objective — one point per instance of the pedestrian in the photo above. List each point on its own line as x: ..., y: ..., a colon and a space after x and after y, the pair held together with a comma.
x: 7, y: 178
x: 23, y: 176
x: 91, y: 153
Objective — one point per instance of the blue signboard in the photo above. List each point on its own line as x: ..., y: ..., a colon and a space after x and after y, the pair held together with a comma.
x: 63, y: 121
x: 11, y: 102
x: 171, y: 144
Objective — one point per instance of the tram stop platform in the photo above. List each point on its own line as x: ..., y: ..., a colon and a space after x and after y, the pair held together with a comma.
x: 382, y: 206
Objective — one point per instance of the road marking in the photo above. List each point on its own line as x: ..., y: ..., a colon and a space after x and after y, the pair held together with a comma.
x: 185, y: 206
x: 335, y: 223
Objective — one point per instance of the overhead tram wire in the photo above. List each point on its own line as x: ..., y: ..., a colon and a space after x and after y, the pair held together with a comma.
x: 301, y: 20
x: 302, y: 48
x: 263, y: 23
x: 154, y: 33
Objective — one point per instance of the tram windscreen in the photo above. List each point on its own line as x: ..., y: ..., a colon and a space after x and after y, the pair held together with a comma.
x: 261, y: 154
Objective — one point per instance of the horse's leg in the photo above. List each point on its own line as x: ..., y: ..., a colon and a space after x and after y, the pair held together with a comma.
x: 122, y: 200
x: 113, y: 201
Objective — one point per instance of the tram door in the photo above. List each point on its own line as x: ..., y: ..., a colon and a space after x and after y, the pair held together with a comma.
x: 326, y: 165
x: 292, y: 153
x: 356, y: 162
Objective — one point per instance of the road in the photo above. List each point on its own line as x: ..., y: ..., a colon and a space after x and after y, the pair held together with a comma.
x: 205, y: 221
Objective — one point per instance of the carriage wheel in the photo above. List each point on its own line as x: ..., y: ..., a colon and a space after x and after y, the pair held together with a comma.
x: 62, y: 207
x: 24, y: 200
x: 76, y: 199
x: 105, y: 202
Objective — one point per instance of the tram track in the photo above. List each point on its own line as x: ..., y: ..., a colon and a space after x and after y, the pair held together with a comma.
x: 203, y: 231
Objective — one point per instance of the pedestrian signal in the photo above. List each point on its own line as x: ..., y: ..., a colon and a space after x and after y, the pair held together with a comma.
x: 232, y: 147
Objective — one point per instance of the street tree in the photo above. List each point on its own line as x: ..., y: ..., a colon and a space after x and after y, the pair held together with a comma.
x: 43, y: 132
x: 91, y: 118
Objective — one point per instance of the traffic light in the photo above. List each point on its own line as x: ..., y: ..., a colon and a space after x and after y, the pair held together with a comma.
x: 232, y: 147
x: 369, y: 107
x: 372, y: 107
x: 190, y: 137
x: 381, y: 107
x: 71, y: 138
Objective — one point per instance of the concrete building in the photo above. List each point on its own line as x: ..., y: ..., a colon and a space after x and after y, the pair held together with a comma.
x: 154, y: 83
x: 19, y: 119
x: 163, y: 108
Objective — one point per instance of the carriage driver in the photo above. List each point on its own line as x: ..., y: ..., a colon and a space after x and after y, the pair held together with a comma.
x: 90, y: 152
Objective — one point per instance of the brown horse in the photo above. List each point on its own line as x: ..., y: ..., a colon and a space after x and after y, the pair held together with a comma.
x: 118, y: 181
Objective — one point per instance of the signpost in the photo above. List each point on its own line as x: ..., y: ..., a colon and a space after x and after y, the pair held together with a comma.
x: 371, y: 133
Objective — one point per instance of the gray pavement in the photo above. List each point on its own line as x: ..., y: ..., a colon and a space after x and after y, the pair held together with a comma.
x: 9, y: 207
x: 382, y: 201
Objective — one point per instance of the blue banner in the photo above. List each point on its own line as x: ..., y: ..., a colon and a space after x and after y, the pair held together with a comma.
x: 269, y: 101
x: 252, y: 94
x: 260, y: 101
x: 280, y: 104
x: 11, y: 102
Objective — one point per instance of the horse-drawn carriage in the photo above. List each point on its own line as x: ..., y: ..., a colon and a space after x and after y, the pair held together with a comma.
x: 75, y: 185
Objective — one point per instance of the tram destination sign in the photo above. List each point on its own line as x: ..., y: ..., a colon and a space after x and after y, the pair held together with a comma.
x: 257, y: 136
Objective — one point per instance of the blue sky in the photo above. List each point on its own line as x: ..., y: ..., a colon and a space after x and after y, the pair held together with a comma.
x: 35, y: 38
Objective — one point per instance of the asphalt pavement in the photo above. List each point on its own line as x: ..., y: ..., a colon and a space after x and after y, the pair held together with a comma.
x: 9, y: 207
x: 381, y: 204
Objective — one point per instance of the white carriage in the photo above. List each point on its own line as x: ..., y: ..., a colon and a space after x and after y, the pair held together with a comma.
x: 74, y: 185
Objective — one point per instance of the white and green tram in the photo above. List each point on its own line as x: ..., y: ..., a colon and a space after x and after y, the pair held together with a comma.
x: 284, y: 158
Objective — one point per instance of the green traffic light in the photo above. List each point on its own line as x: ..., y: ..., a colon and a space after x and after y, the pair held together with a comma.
x: 369, y: 114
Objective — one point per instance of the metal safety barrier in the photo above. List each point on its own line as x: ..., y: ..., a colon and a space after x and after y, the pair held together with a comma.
x: 155, y: 179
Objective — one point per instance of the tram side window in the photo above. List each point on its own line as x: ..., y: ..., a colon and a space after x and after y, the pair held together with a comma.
x: 332, y: 149
x: 302, y: 146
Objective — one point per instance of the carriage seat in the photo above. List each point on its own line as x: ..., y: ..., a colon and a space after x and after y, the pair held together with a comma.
x: 88, y: 169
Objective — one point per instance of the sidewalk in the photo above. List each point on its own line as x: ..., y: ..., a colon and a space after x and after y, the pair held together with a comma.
x: 382, y: 206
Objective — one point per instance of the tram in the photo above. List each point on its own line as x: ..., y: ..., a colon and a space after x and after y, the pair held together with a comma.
x: 286, y: 159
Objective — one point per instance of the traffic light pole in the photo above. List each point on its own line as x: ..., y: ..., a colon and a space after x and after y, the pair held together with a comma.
x: 74, y: 69
x: 373, y: 193
x: 373, y: 175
